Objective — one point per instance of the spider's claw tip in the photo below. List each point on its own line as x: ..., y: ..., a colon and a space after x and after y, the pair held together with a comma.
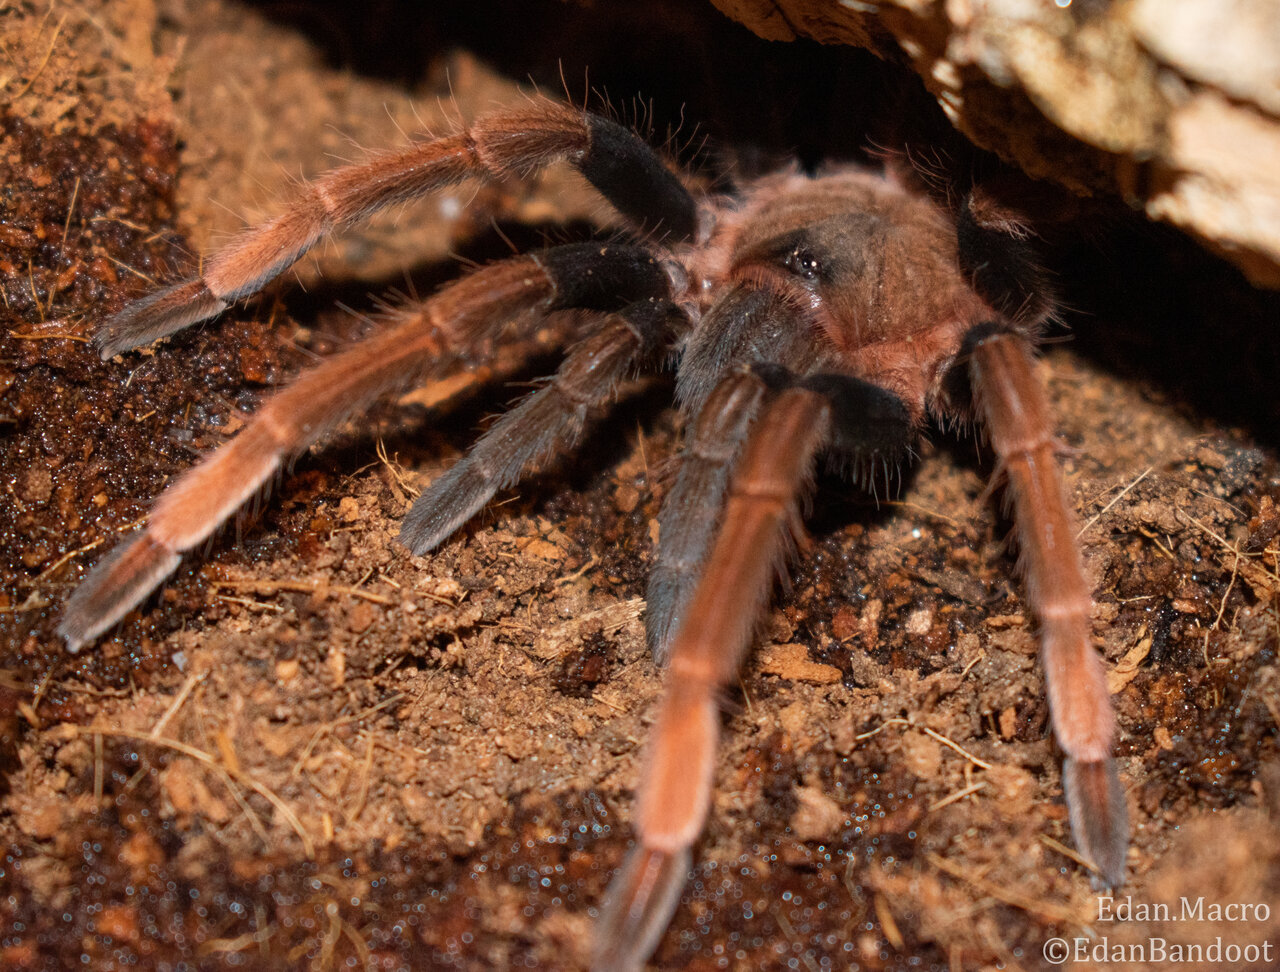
x: 107, y: 348
x: 414, y: 540
x: 664, y: 601
x: 74, y: 641
x: 73, y: 629
x: 155, y: 316
x: 116, y: 585
x: 1099, y: 818
x: 638, y: 906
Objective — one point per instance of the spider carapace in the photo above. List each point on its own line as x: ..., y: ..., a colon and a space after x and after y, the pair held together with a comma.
x: 831, y: 314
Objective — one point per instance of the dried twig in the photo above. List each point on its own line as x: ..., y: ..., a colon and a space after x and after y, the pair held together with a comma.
x: 1044, y: 909
x: 302, y: 587
x: 201, y: 756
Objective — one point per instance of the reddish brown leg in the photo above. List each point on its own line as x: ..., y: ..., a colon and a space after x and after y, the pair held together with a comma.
x: 1012, y: 403
x: 464, y: 317
x: 512, y: 142
x: 675, y: 790
x: 200, y: 499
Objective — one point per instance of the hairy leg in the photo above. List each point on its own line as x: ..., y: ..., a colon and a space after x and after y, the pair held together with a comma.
x: 626, y: 171
x: 549, y: 419
x: 675, y: 793
x: 1012, y: 404
x: 691, y: 511
x: 749, y: 328
x: 464, y: 316
x: 760, y: 517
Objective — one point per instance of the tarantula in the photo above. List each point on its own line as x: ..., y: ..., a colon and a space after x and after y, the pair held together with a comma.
x: 830, y: 314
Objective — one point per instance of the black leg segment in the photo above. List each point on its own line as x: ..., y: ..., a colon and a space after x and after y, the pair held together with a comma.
x: 629, y: 173
x: 957, y: 386
x: 602, y: 276
x: 1001, y: 264
x: 867, y: 422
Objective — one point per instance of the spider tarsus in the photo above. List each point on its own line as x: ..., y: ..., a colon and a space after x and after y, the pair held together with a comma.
x: 1099, y: 818
x: 449, y: 503
x: 638, y: 906
x: 665, y: 597
x: 114, y: 587
x: 157, y: 315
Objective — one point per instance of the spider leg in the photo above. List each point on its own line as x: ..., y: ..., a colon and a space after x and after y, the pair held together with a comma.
x: 676, y: 787
x: 465, y: 315
x: 626, y: 171
x: 549, y: 419
x: 685, y: 526
x: 1012, y: 403
x: 760, y: 515
x: 742, y: 330
x: 873, y: 428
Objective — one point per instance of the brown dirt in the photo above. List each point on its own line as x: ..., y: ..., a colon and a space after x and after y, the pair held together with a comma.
x: 313, y: 750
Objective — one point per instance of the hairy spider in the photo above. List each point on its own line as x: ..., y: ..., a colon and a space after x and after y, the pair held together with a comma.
x: 827, y: 314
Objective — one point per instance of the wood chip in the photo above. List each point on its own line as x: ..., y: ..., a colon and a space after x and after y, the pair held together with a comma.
x: 792, y: 661
x: 1126, y: 669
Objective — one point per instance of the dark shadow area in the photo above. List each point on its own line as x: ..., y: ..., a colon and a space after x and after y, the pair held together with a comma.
x: 680, y: 67
x: 1149, y: 303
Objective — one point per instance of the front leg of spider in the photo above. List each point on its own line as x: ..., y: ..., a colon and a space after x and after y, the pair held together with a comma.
x: 1012, y: 405
x: 760, y: 517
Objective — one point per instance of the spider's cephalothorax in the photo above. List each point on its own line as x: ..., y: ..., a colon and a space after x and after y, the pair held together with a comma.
x: 812, y: 314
